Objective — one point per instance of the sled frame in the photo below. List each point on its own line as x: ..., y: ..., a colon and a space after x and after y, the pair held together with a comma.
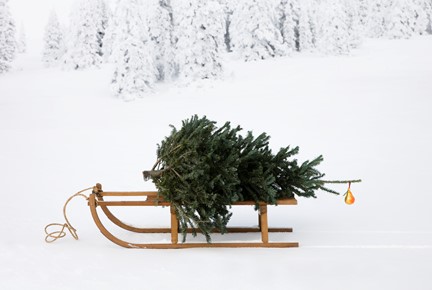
x: 96, y: 199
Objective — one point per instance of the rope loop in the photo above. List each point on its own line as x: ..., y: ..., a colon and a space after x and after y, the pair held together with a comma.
x: 55, y: 235
x: 61, y: 233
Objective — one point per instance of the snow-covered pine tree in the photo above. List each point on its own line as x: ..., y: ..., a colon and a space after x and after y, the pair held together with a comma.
x: 135, y: 72
x: 364, y: 15
x: 398, y: 19
x: 7, y: 37
x: 161, y: 27
x: 199, y: 31
x: 353, y: 12
x: 378, y: 10
x: 21, y: 42
x: 420, y: 17
x: 305, y: 36
x: 110, y: 35
x: 108, y: 40
x: 103, y: 14
x: 254, y: 30
x: 289, y: 13
x: 83, y: 48
x: 54, y: 47
x: 332, y: 28
x: 227, y: 7
x: 340, y: 28
x: 427, y: 7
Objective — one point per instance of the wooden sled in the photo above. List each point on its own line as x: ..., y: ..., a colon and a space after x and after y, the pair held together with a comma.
x: 97, y: 199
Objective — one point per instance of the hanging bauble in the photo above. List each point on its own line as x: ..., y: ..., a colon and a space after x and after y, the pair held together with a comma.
x: 349, y: 197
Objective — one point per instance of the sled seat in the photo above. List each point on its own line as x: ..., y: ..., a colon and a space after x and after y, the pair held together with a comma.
x: 152, y: 198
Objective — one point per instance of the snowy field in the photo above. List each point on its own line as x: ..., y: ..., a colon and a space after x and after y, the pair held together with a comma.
x: 367, y: 113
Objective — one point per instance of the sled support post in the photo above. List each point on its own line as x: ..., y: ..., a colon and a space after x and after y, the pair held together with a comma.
x: 263, y: 223
x: 174, y: 226
x: 152, y: 198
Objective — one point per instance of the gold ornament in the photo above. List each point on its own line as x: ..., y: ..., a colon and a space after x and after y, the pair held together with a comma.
x: 349, y: 197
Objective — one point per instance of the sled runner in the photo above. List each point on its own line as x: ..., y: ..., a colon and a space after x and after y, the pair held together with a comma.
x: 99, y: 199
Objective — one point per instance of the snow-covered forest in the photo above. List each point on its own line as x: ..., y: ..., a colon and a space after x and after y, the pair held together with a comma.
x: 155, y: 41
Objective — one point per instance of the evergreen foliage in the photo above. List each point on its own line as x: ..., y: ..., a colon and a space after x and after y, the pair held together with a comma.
x: 7, y: 37
x: 202, y: 170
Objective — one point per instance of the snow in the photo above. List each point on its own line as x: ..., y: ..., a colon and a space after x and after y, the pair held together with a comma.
x: 368, y: 113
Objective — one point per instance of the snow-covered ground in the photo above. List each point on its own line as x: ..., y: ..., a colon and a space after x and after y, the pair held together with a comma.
x: 368, y: 114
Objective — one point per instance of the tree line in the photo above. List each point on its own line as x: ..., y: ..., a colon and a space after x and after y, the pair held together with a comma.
x: 155, y: 41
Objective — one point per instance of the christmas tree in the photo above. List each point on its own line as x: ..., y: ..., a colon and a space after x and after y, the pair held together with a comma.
x: 202, y: 170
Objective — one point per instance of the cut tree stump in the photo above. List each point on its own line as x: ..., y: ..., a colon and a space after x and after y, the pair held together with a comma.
x: 97, y: 199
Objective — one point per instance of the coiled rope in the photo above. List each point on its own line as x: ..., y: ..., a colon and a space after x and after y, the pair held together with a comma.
x: 61, y: 233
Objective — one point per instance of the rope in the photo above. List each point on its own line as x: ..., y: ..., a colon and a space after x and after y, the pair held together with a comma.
x: 58, y: 234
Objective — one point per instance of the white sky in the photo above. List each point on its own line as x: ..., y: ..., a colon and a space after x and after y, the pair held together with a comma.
x: 33, y: 15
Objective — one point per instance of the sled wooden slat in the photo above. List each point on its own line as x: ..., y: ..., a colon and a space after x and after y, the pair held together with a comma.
x: 96, y: 199
x: 154, y: 202
x: 133, y: 203
x: 129, y: 193
x: 214, y: 245
x: 237, y: 230
x: 152, y: 196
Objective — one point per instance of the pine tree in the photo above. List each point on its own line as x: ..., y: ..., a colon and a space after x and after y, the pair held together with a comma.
x: 340, y: 28
x: 227, y: 7
x: 22, y: 42
x: 289, y: 13
x: 110, y: 35
x: 254, y: 30
x: 378, y: 16
x: 53, y: 42
x: 420, y: 17
x: 199, y: 44
x: 364, y: 15
x: 84, y: 47
x: 353, y: 12
x: 202, y: 170
x: 7, y: 37
x: 103, y: 14
x: 333, y: 31
x: 399, y: 18
x: 427, y: 7
x: 135, y: 71
x: 161, y: 27
x: 305, y: 36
